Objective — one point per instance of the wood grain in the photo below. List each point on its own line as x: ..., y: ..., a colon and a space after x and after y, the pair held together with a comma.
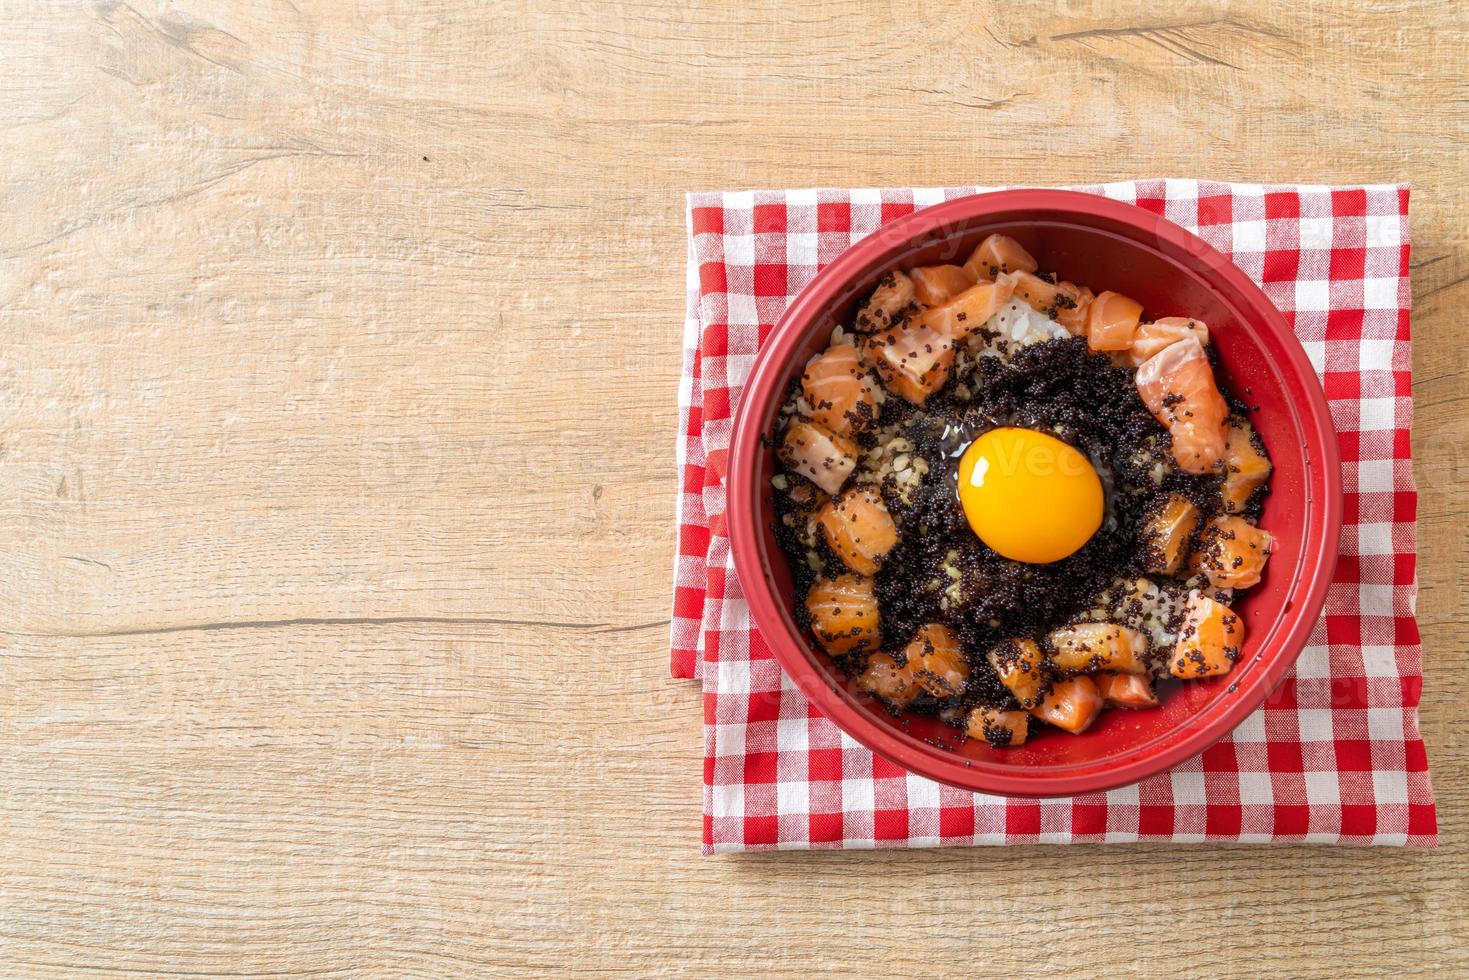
x: 336, y: 420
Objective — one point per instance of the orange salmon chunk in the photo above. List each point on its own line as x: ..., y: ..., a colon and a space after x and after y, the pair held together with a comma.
x: 1002, y: 729
x: 1074, y: 318
x: 889, y: 302
x: 935, y: 285
x: 968, y: 311
x: 885, y: 679
x: 859, y: 529
x: 997, y: 255
x: 1178, y: 386
x: 1246, y: 467
x: 1051, y: 298
x: 1111, y: 321
x: 844, y: 613
x: 839, y: 391
x: 1151, y: 338
x: 1210, y: 640
x: 1232, y: 552
x: 937, y: 661
x: 1071, y: 704
x: 1127, y: 690
x: 1020, y: 666
x: 1098, y: 646
x: 1166, y: 532
x: 913, y: 360
x: 818, y: 454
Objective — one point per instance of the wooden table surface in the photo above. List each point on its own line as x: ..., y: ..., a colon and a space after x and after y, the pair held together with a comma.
x: 336, y: 444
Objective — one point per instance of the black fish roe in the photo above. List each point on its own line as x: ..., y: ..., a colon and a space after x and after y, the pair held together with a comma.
x: 1058, y: 387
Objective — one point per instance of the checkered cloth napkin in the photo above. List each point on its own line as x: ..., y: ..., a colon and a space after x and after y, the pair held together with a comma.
x: 1333, y: 756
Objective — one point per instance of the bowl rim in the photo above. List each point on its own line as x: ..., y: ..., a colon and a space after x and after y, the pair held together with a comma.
x: 797, y: 658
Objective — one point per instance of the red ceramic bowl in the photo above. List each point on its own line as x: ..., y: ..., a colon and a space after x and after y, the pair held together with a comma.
x: 1107, y: 245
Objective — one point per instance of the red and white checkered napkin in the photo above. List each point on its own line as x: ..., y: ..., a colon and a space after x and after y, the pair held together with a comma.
x: 1334, y: 755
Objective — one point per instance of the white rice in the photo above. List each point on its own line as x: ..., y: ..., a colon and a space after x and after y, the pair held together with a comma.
x: 1020, y: 326
x: 1156, y: 610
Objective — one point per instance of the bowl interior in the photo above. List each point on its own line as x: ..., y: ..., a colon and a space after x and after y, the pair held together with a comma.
x: 1170, y: 274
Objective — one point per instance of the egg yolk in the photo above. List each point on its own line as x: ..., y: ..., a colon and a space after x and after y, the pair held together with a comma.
x: 1029, y: 496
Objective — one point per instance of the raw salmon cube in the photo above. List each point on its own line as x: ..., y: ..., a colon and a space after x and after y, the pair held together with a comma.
x: 935, y: 285
x: 1020, y: 666
x: 1111, y: 322
x: 818, y: 454
x: 1074, y: 318
x: 1210, y: 640
x: 1127, y: 690
x: 1246, y: 467
x: 1232, y: 552
x: 913, y: 360
x: 1002, y: 729
x: 1167, y: 531
x: 1071, y: 704
x: 1151, y: 338
x: 885, y: 679
x: 844, y: 613
x: 997, y: 255
x: 1054, y: 299
x: 968, y: 311
x: 889, y: 302
x: 937, y: 661
x: 1178, y: 386
x: 859, y: 529
x: 1099, y: 646
x: 839, y: 390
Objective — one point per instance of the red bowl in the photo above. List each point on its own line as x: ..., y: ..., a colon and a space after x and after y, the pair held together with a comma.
x: 1107, y: 245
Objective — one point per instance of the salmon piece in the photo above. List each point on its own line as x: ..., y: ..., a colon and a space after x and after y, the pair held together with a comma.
x: 887, y: 305
x: 1019, y: 665
x: 1111, y: 321
x: 1071, y: 704
x: 997, y: 255
x: 1232, y: 552
x: 859, y: 529
x: 935, y: 285
x: 1051, y: 298
x: 1002, y: 729
x: 1151, y: 338
x: 1177, y: 385
x: 966, y: 312
x: 1074, y: 318
x: 839, y: 391
x: 1210, y: 640
x: 844, y: 613
x: 937, y: 661
x: 1127, y: 690
x: 913, y: 360
x: 1166, y: 533
x: 818, y: 454
x: 1246, y: 467
x: 885, y: 679
x: 1099, y: 646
